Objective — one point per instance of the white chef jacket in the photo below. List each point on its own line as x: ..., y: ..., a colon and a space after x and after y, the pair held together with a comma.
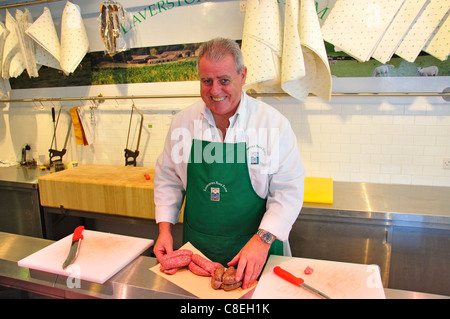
x: 275, y: 166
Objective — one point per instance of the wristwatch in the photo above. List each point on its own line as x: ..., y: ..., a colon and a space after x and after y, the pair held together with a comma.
x: 265, y: 236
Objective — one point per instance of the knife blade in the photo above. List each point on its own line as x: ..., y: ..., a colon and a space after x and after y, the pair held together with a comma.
x: 74, y: 246
x: 296, y: 281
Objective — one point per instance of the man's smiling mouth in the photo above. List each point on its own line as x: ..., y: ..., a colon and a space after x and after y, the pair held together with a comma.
x: 218, y: 99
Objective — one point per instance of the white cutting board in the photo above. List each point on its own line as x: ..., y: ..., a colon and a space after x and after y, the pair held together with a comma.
x: 101, y: 256
x: 338, y: 280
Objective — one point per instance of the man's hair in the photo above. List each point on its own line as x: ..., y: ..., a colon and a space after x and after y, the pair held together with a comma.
x: 218, y: 48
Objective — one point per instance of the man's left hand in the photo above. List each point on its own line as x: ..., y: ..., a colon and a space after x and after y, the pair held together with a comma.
x: 251, y: 258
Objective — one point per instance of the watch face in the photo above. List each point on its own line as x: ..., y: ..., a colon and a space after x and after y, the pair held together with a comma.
x: 267, y: 237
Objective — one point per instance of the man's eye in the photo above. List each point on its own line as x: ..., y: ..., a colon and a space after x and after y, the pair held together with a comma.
x: 224, y: 81
x: 206, y: 82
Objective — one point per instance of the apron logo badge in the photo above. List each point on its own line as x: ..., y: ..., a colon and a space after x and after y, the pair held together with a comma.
x: 254, y: 158
x: 215, y: 194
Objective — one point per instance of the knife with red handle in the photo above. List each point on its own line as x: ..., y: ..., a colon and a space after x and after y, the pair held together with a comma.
x: 74, y: 246
x: 296, y: 281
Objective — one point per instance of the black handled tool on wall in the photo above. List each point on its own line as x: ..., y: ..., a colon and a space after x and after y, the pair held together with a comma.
x: 55, y: 155
x: 130, y: 156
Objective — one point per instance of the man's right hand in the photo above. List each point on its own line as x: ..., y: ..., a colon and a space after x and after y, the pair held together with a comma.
x: 164, y: 243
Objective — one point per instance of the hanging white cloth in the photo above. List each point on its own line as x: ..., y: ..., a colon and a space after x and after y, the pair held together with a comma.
x: 357, y: 27
x: 24, y: 20
x: 74, y: 39
x: 48, y: 46
x: 422, y: 30
x: 13, y: 64
x: 305, y: 67
x: 399, y: 27
x: 5, y: 87
x: 438, y: 45
x: 3, y: 34
x: 262, y: 45
x: 285, y: 55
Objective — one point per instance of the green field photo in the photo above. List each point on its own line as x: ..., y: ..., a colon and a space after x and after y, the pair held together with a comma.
x: 174, y: 63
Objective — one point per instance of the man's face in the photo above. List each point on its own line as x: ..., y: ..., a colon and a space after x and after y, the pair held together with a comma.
x: 221, y: 85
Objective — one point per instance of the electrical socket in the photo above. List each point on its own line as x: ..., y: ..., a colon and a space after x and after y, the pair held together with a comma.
x: 242, y: 6
x: 446, y: 163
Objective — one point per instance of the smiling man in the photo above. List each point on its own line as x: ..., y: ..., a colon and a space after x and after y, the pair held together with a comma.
x: 236, y: 162
x: 221, y: 83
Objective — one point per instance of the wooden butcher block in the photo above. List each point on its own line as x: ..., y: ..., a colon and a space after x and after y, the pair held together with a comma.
x: 108, y: 189
x: 100, y: 257
x: 338, y: 280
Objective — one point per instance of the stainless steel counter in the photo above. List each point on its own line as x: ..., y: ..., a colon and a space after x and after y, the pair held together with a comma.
x: 404, y: 204
x: 19, y: 200
x: 20, y: 176
x: 389, y: 198
x: 134, y: 281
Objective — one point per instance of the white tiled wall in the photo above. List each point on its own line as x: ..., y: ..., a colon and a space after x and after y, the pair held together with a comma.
x: 380, y: 143
x: 369, y: 139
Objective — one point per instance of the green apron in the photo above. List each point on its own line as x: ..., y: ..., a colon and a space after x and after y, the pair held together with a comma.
x: 222, y: 210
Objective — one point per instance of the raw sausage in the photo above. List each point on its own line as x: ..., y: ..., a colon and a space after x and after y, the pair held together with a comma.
x: 175, y: 253
x: 221, y: 278
x: 228, y: 287
x: 199, y: 271
x: 218, y: 273
x: 216, y: 279
x: 175, y: 260
x: 170, y: 271
x: 229, y: 276
x: 204, y: 263
x: 225, y: 279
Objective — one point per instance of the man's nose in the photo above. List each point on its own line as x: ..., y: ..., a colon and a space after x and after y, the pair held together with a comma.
x: 216, y: 87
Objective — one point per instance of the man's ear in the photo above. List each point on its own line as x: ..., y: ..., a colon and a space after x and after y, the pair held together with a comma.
x: 243, y: 75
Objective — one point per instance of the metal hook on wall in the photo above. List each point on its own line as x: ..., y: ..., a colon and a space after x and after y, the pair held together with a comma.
x: 92, y: 108
x: 41, y: 107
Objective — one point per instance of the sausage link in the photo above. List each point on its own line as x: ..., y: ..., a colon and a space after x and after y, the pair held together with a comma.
x: 199, y: 271
x: 218, y: 273
x: 216, y: 278
x: 215, y: 284
x: 176, y: 262
x: 230, y: 287
x: 229, y: 276
x: 204, y: 263
x: 170, y: 271
x: 176, y: 253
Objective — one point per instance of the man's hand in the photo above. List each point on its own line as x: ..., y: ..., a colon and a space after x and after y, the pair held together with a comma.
x: 251, y: 258
x: 164, y: 243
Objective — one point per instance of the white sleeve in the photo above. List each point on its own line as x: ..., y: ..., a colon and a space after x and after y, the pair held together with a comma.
x: 169, y: 183
x: 286, y: 187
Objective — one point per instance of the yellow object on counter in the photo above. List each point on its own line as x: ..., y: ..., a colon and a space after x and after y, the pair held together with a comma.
x: 318, y: 190
x: 72, y: 164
